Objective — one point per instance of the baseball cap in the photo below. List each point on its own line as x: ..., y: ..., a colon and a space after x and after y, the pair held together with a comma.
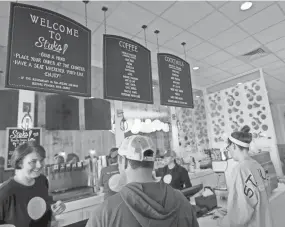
x: 134, y: 148
x: 114, y: 152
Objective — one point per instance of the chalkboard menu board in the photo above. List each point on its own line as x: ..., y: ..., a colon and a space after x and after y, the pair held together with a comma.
x: 18, y: 136
x: 127, y: 70
x: 175, y: 81
x: 48, y: 52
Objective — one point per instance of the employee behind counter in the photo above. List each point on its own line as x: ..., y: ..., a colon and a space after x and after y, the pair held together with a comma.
x: 174, y: 174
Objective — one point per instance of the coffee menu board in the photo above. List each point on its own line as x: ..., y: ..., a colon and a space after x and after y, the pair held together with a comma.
x: 127, y: 70
x: 18, y: 136
x: 175, y: 81
x: 48, y: 52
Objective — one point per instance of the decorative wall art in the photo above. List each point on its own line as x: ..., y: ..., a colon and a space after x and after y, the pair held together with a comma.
x: 234, y: 107
x: 192, y: 128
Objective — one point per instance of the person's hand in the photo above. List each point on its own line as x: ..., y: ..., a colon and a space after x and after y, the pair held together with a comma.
x: 58, y: 208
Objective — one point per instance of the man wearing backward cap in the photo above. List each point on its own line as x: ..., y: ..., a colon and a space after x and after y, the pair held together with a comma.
x: 141, y: 201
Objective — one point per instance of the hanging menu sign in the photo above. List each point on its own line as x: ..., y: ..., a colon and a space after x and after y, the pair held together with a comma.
x: 18, y: 136
x: 175, y: 81
x: 48, y: 52
x: 127, y: 70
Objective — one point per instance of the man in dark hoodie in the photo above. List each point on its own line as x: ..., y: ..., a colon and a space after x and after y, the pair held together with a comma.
x: 142, y: 202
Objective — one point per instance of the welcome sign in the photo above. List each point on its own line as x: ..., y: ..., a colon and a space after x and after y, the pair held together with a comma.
x: 48, y: 52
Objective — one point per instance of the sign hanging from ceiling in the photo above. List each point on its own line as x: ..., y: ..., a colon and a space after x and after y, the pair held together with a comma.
x: 127, y: 70
x: 174, y: 81
x: 48, y: 52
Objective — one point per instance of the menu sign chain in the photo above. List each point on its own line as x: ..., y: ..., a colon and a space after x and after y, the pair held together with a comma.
x: 127, y: 70
x: 16, y: 137
x: 175, y: 81
x: 53, y: 56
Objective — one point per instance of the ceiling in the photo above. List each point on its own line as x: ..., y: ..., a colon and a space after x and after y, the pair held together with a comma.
x: 216, y: 34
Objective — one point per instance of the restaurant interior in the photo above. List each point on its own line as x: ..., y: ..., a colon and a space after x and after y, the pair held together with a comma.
x: 236, y: 60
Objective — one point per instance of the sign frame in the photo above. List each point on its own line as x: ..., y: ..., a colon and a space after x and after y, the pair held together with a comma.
x: 8, y: 129
x: 8, y: 84
x: 105, y: 92
x: 160, y: 76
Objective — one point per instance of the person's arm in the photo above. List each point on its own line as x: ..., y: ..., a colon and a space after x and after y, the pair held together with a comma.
x: 242, y: 200
x: 186, y: 179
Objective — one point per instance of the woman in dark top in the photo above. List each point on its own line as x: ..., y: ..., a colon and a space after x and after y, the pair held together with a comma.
x: 24, y: 199
x: 174, y: 174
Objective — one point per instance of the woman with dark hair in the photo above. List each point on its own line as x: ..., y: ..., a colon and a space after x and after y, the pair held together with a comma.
x: 248, y: 203
x: 173, y: 173
x: 24, y: 199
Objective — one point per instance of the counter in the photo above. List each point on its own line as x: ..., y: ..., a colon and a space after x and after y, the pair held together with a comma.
x: 277, y: 201
x: 79, y: 210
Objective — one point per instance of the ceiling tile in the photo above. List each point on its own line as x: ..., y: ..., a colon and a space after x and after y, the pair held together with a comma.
x: 201, y: 64
x: 273, y: 33
x: 281, y: 77
x: 217, y: 4
x: 202, y: 50
x: 243, y: 46
x: 262, y: 20
x: 167, y: 31
x: 264, y: 60
x: 185, y: 14
x: 240, y: 69
x: 229, y: 37
x: 276, y: 45
x: 278, y: 71
x: 230, y: 64
x: 94, y: 8
x: 218, y: 58
x: 274, y: 83
x: 270, y: 68
x: 211, y: 71
x: 4, y: 25
x: 211, y: 25
x: 124, y: 22
x: 4, y: 9
x: 202, y: 81
x: 156, y: 7
x: 50, y: 5
x: 221, y: 77
x: 232, y: 10
x: 92, y: 25
x: 281, y: 54
x: 189, y: 39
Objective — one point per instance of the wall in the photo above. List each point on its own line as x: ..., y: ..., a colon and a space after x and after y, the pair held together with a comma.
x: 278, y: 114
x: 80, y: 141
x: 193, y: 133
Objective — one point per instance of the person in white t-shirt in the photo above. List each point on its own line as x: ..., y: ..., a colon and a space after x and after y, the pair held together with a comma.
x: 248, y: 204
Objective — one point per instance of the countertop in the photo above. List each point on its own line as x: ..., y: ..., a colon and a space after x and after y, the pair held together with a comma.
x: 277, y: 200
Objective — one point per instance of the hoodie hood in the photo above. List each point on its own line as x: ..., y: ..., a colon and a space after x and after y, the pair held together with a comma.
x: 152, y: 204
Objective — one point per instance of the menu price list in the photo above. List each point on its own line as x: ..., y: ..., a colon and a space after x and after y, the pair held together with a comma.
x: 175, y: 81
x: 18, y: 136
x: 54, y: 56
x: 127, y: 70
